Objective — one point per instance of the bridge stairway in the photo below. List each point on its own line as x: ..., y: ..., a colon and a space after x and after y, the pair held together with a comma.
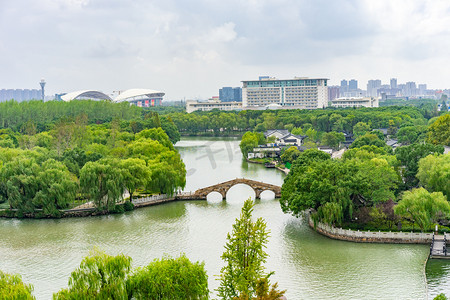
x: 438, y: 248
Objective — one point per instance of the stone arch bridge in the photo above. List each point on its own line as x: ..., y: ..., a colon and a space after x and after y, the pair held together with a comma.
x: 223, y: 188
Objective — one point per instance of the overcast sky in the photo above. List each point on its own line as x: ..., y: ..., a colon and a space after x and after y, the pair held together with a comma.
x: 191, y: 48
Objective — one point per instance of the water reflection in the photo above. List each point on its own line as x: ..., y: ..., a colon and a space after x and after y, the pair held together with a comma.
x: 308, y: 265
x: 438, y: 273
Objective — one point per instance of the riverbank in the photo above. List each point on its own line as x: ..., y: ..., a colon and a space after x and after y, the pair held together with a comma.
x: 369, y: 236
x: 92, y: 211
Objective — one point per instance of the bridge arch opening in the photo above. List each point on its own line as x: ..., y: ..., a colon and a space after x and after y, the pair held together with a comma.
x: 239, y: 193
x: 267, y: 195
x: 214, y: 197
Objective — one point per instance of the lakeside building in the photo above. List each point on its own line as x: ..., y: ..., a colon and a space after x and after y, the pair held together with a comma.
x: 299, y: 92
x: 193, y: 105
x: 355, y: 102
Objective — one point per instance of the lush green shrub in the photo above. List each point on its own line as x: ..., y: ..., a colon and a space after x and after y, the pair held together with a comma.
x: 128, y: 206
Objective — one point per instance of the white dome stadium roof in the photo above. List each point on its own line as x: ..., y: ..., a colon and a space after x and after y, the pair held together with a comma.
x: 134, y: 94
x: 86, y: 94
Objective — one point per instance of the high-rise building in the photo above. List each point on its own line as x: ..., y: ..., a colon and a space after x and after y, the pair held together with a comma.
x: 372, y: 87
x: 344, y: 86
x: 353, y: 85
x: 422, y: 89
x: 299, y: 92
x: 393, y: 83
x: 333, y: 92
x: 237, y: 94
x: 228, y: 94
x: 410, y: 89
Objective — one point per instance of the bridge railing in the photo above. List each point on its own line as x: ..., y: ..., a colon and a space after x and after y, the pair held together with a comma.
x: 150, y: 198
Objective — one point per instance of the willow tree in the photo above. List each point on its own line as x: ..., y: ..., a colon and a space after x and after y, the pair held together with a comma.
x: 169, y: 278
x: 100, y: 276
x: 12, y: 287
x: 103, y: 182
x: 423, y: 207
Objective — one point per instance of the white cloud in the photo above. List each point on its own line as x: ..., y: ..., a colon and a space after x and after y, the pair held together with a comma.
x: 192, y: 48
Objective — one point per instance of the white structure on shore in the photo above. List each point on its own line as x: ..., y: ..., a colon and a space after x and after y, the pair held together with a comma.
x: 355, y: 102
x: 299, y: 92
x: 141, y: 97
x: 193, y: 105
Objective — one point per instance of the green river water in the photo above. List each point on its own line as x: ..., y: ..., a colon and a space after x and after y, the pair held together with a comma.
x: 307, y: 264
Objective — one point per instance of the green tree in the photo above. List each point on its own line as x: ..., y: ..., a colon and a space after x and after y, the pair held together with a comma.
x: 368, y: 139
x: 409, y: 157
x: 350, y: 183
x: 12, y: 288
x: 361, y: 129
x: 244, y: 256
x: 333, y: 139
x: 136, y: 174
x: 434, y: 173
x: 169, y: 278
x: 290, y: 155
x: 423, y: 207
x: 440, y: 297
x: 439, y: 131
x: 411, y: 134
x: 248, y: 142
x: 156, y: 134
x: 103, y: 182
x: 29, y: 185
x: 171, y: 129
x: 100, y: 276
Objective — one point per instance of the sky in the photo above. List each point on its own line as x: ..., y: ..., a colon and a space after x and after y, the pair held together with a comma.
x: 191, y: 48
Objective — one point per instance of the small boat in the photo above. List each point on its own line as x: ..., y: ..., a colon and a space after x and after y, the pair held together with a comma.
x: 269, y: 165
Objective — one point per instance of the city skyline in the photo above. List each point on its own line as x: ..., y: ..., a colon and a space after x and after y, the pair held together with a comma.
x: 205, y: 45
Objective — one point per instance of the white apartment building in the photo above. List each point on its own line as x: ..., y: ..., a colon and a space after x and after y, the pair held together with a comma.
x: 192, y: 105
x: 355, y: 102
x: 299, y: 92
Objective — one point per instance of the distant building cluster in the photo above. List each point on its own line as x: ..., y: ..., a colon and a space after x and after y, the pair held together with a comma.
x: 375, y: 88
x: 20, y: 95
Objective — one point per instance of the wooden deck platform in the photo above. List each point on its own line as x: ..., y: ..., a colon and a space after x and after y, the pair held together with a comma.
x: 438, y: 248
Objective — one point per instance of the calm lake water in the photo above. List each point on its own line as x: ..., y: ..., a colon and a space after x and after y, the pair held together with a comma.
x: 307, y: 264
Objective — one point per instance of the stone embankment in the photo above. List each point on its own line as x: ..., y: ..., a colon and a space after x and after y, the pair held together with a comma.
x: 369, y: 236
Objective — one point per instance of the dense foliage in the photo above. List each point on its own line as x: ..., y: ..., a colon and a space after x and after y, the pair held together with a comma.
x: 77, y: 160
x: 321, y: 120
x: 12, y: 287
x: 336, y: 187
x: 439, y: 131
x: 170, y: 278
x: 101, y: 276
x: 18, y: 116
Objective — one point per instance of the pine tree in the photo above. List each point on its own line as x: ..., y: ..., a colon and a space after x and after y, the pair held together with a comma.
x: 244, y: 256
